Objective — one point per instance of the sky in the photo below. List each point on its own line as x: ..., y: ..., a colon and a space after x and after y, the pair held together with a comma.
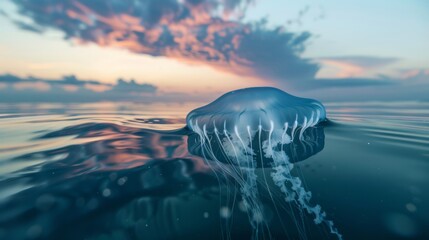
x: 178, y: 50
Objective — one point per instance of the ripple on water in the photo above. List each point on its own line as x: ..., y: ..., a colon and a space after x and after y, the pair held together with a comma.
x: 111, y: 168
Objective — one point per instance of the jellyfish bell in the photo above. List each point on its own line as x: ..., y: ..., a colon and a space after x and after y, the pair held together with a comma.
x: 254, y: 108
x: 262, y: 127
x: 239, y: 121
x: 261, y: 115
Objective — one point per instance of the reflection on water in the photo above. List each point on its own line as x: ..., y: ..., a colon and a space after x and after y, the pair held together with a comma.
x: 108, y: 172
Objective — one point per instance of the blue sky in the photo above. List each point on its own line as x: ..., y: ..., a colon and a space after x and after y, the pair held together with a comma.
x: 344, y: 47
x: 379, y: 28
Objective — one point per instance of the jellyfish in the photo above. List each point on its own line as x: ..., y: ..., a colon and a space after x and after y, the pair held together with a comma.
x: 254, y: 128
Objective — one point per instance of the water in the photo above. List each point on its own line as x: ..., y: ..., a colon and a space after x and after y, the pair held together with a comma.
x: 124, y: 171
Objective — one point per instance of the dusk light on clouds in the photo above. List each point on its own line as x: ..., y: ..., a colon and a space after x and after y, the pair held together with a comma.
x: 212, y: 46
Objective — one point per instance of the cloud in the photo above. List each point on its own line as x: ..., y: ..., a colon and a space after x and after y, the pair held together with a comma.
x: 38, y: 86
x: 124, y: 86
x: 414, y: 75
x: 407, y: 85
x: 209, y: 32
x: 352, y: 82
x: 71, y: 89
x: 399, y: 92
x: 363, y: 61
x: 28, y: 27
x: 354, y: 66
x: 413, y: 84
x: 3, y: 13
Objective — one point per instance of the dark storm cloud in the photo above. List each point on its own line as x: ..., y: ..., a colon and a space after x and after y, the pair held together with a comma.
x: 198, y: 31
x: 71, y: 89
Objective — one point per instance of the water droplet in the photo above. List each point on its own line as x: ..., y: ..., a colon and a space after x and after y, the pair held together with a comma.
x: 411, y: 207
x: 225, y: 212
x: 122, y: 181
x: 242, y: 206
x: 106, y: 192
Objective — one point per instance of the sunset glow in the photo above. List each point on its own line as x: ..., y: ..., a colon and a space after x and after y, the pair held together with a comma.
x: 187, y: 48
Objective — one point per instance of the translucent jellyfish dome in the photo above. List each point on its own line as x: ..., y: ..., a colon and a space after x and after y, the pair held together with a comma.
x: 243, y: 119
x: 261, y: 127
x: 252, y: 108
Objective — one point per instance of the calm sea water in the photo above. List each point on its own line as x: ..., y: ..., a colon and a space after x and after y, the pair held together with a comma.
x: 125, y: 171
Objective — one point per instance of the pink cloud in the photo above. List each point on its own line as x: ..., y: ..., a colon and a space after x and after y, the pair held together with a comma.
x: 38, y: 86
x: 344, y: 69
x: 97, y: 88
x: 70, y: 88
x: 197, y: 32
x: 353, y: 66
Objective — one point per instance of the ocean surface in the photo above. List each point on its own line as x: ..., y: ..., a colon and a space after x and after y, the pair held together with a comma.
x: 128, y: 171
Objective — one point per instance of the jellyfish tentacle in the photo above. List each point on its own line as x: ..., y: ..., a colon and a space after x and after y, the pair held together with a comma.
x: 295, y: 125
x: 231, y: 146
x: 247, y: 182
x: 317, y: 114
x: 250, y: 190
x: 312, y: 120
x: 282, y: 175
x: 285, y: 135
x: 204, y: 147
x: 299, y: 194
x: 265, y: 179
x: 303, y: 128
